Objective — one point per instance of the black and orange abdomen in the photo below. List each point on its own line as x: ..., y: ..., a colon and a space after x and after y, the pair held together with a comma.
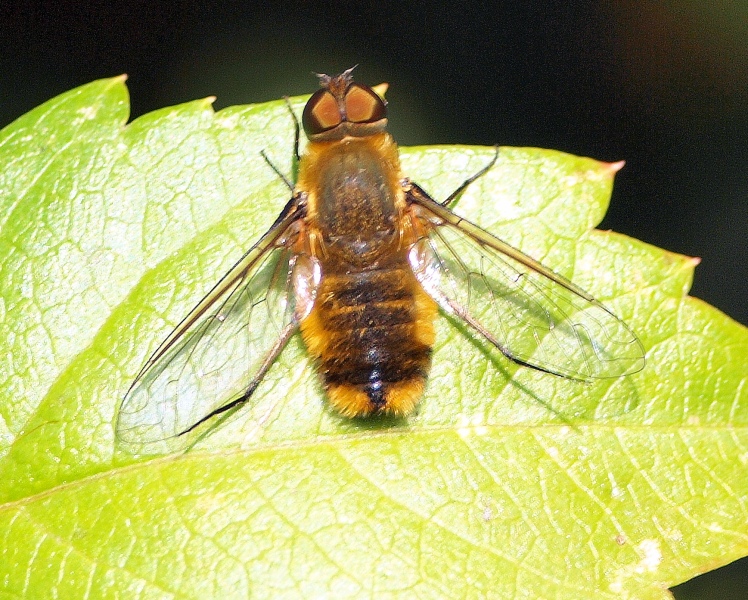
x: 372, y: 333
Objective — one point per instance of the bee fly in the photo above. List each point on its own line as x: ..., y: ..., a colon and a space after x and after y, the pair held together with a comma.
x: 360, y: 260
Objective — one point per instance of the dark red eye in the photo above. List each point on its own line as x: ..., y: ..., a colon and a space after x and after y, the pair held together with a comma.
x: 321, y: 113
x: 362, y: 105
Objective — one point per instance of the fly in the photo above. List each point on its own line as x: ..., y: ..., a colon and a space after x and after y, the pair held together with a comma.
x: 360, y: 261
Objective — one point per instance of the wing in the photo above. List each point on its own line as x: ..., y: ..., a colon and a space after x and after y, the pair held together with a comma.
x: 217, y: 355
x: 532, y: 315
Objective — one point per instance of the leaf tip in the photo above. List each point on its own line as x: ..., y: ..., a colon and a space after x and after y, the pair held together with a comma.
x: 381, y: 89
x: 614, y: 167
x: 206, y: 102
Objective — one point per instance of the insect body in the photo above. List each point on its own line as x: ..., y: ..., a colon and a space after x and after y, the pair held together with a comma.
x: 359, y: 260
x: 371, y: 328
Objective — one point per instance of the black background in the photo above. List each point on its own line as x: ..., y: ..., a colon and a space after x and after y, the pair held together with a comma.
x: 662, y: 85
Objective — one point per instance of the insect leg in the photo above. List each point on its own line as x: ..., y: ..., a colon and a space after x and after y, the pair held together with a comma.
x: 280, y: 343
x: 297, y: 130
x: 277, y: 170
x: 472, y: 178
x: 296, y: 158
x: 457, y: 309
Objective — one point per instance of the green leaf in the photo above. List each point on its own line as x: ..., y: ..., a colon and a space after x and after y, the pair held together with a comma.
x: 508, y: 483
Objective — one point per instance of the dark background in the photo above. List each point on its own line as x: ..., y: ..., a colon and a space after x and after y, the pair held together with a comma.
x: 662, y: 85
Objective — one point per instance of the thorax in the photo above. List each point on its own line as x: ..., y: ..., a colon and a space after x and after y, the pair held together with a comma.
x: 355, y: 202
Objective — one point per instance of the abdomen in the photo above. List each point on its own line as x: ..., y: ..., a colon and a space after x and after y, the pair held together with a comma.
x: 372, y: 332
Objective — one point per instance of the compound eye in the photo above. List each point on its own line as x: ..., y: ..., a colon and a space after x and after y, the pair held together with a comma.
x: 321, y: 113
x: 362, y: 105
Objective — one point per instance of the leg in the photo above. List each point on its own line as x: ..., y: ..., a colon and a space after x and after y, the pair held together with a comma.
x: 472, y: 178
x: 295, y: 165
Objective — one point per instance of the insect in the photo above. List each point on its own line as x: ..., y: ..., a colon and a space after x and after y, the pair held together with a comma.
x: 360, y: 260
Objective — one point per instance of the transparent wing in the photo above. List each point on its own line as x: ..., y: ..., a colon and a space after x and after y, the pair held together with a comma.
x: 534, y: 316
x: 221, y: 350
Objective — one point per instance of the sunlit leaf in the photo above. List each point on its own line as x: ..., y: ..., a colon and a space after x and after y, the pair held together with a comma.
x: 508, y: 483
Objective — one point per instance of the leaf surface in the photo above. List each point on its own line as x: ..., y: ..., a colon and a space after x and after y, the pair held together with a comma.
x: 508, y: 483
